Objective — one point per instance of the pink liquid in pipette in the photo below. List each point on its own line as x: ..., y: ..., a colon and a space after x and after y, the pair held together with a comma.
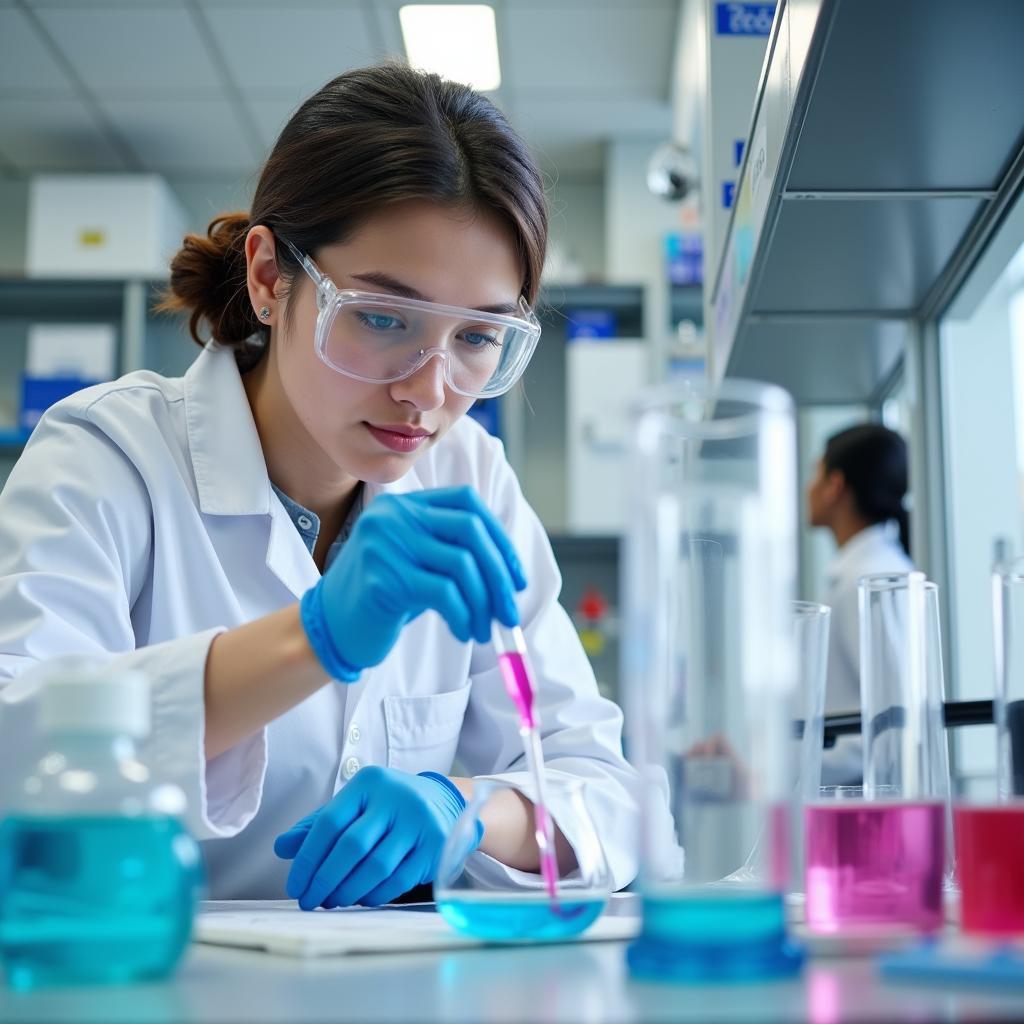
x: 520, y: 688
x: 874, y: 864
x: 518, y: 685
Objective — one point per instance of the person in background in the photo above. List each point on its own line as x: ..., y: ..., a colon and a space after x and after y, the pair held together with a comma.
x: 858, y: 494
x: 304, y: 542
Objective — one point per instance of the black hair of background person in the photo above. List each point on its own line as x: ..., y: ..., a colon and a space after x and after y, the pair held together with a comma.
x: 873, y: 461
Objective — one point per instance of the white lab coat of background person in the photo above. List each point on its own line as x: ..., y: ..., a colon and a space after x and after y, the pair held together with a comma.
x: 875, y: 549
x: 140, y: 522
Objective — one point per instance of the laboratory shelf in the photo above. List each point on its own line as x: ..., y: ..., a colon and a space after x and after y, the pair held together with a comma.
x: 626, y: 301
x: 885, y: 147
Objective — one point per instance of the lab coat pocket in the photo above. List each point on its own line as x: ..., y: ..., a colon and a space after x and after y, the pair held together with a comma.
x: 423, y: 731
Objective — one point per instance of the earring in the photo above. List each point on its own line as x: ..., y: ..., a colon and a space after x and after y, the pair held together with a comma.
x: 264, y: 313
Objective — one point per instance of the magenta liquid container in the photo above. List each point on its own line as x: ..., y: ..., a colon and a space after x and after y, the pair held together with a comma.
x: 875, y: 857
x: 989, y: 833
x: 871, y: 864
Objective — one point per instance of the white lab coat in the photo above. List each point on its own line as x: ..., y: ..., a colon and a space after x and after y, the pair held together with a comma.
x: 876, y: 549
x: 140, y: 522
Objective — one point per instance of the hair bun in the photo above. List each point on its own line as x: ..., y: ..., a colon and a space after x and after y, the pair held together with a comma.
x: 208, y: 281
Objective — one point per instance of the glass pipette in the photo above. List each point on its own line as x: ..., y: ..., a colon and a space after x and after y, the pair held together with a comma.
x: 510, y: 645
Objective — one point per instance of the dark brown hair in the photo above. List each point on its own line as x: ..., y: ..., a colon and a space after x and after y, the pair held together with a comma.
x: 371, y: 137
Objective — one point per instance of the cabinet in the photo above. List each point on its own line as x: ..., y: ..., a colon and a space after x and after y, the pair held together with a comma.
x: 144, y: 340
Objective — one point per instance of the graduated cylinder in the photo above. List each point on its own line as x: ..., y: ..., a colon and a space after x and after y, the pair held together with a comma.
x: 710, y: 675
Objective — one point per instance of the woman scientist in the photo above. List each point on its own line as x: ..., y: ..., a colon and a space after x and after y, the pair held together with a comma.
x: 857, y: 493
x: 304, y: 542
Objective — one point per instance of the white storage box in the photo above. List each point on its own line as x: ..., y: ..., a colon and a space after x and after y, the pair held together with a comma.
x: 102, y: 226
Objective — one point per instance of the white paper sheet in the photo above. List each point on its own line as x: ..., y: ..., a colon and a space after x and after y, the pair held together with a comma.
x: 278, y: 926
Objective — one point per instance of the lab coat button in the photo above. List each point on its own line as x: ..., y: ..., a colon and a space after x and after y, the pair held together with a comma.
x: 352, y: 765
x: 354, y: 735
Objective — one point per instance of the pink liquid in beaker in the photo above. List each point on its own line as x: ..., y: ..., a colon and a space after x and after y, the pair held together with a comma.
x: 518, y: 685
x: 874, y: 864
x: 990, y: 867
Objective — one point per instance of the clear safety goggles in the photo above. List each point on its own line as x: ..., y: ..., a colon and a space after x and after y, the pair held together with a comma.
x: 380, y: 338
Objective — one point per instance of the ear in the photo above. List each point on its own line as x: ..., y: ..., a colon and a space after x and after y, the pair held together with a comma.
x: 834, y: 486
x: 262, y: 278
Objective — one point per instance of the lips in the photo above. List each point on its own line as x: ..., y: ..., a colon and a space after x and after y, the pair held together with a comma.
x: 399, y: 437
x: 405, y: 429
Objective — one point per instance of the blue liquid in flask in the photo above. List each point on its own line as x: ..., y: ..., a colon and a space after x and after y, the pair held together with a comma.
x: 94, y: 899
x: 520, y: 916
x: 714, y: 933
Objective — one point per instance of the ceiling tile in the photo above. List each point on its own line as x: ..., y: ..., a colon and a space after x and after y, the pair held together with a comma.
x: 271, y: 116
x: 53, y: 135
x: 618, y: 51
x: 26, y: 65
x: 582, y: 5
x: 182, y: 136
x: 311, y: 45
x: 566, y: 120
x: 133, y: 51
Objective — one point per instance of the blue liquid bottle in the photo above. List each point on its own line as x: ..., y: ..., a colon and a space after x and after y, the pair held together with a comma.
x: 98, y: 879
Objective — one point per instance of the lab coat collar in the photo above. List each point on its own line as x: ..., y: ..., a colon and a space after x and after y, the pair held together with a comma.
x: 227, y: 457
x: 852, y: 554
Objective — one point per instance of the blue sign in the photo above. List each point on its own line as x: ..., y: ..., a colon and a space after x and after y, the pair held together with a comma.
x: 728, y: 192
x: 739, y: 19
x: 737, y: 152
x: 684, y: 251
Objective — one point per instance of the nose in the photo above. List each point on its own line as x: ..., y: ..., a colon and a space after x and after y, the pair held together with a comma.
x: 424, y: 389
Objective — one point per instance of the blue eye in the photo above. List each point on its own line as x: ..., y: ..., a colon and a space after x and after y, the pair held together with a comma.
x: 379, y: 321
x: 478, y: 339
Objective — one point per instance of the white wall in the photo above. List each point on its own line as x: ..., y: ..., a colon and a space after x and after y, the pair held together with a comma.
x: 576, y: 215
x: 576, y: 208
x: 984, y: 502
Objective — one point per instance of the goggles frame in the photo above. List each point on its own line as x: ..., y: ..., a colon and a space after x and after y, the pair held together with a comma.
x: 331, y: 299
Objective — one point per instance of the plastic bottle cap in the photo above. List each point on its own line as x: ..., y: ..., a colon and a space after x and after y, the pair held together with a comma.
x: 95, y: 701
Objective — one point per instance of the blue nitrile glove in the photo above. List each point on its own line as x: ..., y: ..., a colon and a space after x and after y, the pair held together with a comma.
x: 379, y: 836
x: 440, y: 549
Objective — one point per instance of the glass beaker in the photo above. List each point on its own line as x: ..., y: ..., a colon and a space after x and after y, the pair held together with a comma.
x: 710, y: 677
x: 990, y: 835
x: 875, y: 855
x: 477, y: 895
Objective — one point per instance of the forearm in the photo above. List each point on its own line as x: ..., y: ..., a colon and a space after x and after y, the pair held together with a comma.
x: 256, y: 673
x: 509, y: 831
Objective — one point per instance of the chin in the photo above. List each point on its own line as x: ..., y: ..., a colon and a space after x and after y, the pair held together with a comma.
x: 385, y: 469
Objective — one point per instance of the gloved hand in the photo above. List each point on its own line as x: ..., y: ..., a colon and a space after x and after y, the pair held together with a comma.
x: 378, y: 837
x: 440, y: 549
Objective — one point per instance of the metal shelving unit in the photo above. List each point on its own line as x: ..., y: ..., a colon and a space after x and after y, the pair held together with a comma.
x: 886, y: 144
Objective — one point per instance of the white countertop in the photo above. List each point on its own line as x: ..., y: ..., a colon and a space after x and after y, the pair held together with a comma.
x: 575, y: 982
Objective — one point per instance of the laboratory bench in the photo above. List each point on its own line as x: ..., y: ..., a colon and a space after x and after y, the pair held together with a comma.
x: 581, y: 982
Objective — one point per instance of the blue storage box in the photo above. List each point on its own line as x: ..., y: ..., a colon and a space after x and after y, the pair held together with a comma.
x: 39, y: 393
x: 589, y: 323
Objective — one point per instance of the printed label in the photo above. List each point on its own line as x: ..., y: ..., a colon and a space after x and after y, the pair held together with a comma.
x: 739, y: 19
